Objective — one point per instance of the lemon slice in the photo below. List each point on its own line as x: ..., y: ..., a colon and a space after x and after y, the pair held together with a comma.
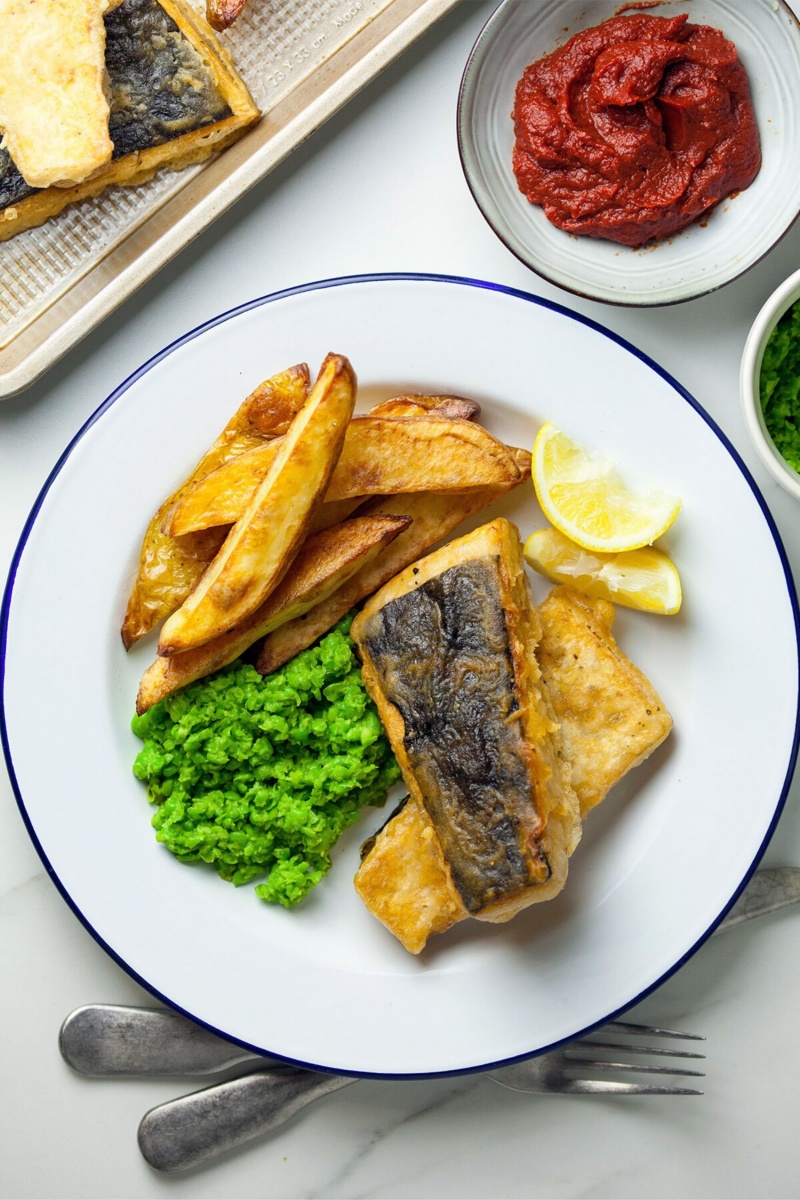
x: 645, y: 579
x: 584, y: 497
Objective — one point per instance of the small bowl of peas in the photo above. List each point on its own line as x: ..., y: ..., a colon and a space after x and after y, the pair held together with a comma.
x: 769, y: 383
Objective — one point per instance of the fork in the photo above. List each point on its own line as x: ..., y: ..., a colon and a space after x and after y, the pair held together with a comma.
x: 192, y: 1129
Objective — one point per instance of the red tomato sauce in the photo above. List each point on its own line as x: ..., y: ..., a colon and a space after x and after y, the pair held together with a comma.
x: 635, y: 128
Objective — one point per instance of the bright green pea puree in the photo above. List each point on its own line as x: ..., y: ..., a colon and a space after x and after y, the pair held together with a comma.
x: 780, y: 386
x: 259, y: 776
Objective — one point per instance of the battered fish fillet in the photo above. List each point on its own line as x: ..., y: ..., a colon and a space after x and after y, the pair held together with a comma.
x: 611, y: 719
x: 169, y: 93
x: 610, y: 714
x: 53, y: 107
x: 448, y: 653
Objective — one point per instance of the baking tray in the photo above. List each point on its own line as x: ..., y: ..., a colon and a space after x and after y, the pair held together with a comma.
x: 302, y: 61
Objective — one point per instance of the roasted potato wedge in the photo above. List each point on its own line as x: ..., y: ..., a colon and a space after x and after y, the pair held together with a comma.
x: 169, y: 569
x: 265, y: 539
x: 324, y: 515
x: 435, y: 514
x: 418, y: 406
x: 380, y: 456
x: 325, y: 561
x: 221, y: 14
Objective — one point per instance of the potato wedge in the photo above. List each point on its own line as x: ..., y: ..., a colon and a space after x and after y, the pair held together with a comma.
x: 435, y: 514
x: 325, y: 561
x: 221, y: 14
x: 265, y: 539
x: 380, y: 456
x: 168, y: 569
x: 323, y: 517
x: 418, y: 406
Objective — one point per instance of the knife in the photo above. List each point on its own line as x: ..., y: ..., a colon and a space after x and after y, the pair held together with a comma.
x: 105, y: 1040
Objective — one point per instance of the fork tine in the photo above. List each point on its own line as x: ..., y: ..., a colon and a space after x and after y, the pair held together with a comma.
x: 630, y: 1049
x: 648, y: 1030
x: 599, y: 1087
x: 604, y: 1064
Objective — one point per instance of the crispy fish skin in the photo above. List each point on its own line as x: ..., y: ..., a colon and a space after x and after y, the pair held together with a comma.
x: 611, y: 719
x: 325, y: 561
x: 611, y: 716
x: 434, y: 516
x: 168, y: 567
x: 448, y: 655
x: 179, y: 80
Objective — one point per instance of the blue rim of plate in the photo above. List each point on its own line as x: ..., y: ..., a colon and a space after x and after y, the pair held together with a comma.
x: 466, y: 150
x: 347, y: 281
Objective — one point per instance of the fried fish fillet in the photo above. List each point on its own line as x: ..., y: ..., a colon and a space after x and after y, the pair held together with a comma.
x: 611, y: 719
x: 610, y: 714
x: 53, y: 107
x: 448, y: 653
x: 169, y: 91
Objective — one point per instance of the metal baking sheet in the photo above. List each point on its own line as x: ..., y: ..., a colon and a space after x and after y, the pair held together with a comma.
x: 302, y: 60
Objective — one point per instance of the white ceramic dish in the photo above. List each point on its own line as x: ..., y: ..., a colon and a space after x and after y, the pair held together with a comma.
x: 701, y: 258
x: 325, y: 984
x: 778, y: 303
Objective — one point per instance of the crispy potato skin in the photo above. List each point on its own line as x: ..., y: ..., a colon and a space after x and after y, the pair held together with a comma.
x: 265, y: 539
x: 381, y: 455
x: 326, y: 560
x: 221, y: 14
x: 418, y: 406
x: 169, y: 569
x: 435, y: 515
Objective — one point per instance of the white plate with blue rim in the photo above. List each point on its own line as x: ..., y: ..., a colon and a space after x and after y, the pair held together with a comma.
x: 325, y: 984
x: 701, y: 258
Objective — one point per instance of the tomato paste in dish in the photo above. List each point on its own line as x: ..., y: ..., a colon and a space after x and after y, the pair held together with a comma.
x: 635, y: 128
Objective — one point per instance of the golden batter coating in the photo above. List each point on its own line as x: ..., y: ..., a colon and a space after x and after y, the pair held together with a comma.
x: 611, y: 719
x: 53, y: 106
x: 496, y: 790
x: 610, y: 714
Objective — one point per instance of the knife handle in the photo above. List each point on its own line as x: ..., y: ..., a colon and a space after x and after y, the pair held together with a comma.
x: 191, y: 1130
x: 110, y: 1039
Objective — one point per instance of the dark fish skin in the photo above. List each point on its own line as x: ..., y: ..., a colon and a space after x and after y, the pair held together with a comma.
x: 442, y: 655
x: 159, y: 88
x: 154, y: 73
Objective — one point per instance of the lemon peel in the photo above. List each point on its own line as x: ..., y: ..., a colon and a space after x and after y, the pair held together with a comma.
x: 583, y: 496
x: 645, y: 579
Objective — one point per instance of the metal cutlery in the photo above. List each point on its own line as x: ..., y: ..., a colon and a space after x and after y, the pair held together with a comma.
x: 112, y: 1040
x: 193, y: 1129
x: 106, y: 1040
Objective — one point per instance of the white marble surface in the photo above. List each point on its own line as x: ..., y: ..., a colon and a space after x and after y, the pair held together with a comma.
x: 380, y: 188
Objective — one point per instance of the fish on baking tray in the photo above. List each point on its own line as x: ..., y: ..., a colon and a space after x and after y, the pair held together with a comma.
x: 173, y: 98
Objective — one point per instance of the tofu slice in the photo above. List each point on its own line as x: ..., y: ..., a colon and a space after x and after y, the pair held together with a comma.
x: 53, y: 107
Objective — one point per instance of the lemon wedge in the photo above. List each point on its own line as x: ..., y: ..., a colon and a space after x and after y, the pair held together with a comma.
x: 646, y: 579
x: 584, y: 498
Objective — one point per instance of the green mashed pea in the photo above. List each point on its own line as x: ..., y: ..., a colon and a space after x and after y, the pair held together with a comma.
x: 260, y: 775
x: 780, y: 386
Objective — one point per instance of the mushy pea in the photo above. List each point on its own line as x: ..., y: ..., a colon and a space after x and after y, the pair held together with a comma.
x: 780, y: 386
x: 260, y: 775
